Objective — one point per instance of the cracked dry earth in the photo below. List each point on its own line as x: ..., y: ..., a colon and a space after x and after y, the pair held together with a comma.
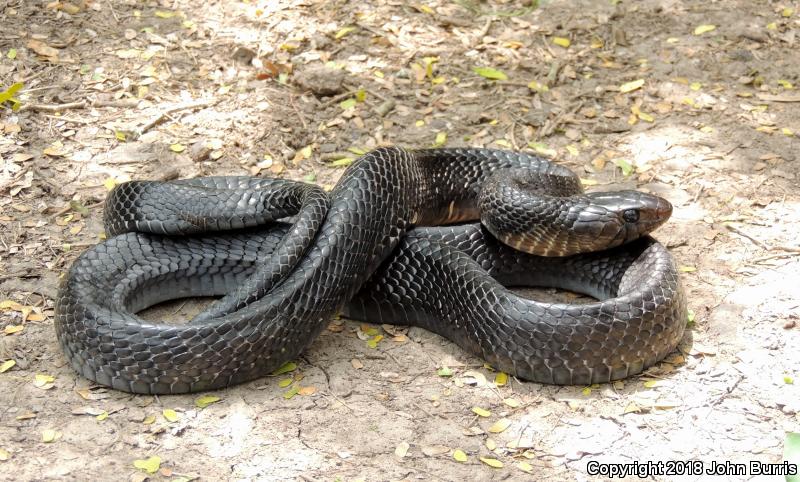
x: 115, y: 90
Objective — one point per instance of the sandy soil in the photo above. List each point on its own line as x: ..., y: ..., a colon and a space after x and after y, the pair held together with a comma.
x: 115, y: 90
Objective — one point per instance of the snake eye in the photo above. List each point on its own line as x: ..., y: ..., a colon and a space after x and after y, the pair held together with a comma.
x: 630, y: 215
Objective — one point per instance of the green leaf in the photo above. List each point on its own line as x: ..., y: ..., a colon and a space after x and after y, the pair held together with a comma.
x: 348, y: 104
x: 791, y: 453
x: 310, y: 177
x: 542, y: 149
x: 345, y: 161
x: 292, y: 391
x: 625, y: 166
x: 8, y: 94
x: 689, y: 317
x: 286, y: 368
x: 12, y: 54
x: 490, y: 73
x: 445, y: 372
x: 441, y: 138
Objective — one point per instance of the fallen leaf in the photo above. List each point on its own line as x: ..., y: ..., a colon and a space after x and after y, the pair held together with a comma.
x: 434, y: 450
x: 561, y: 42
x: 357, y: 364
x: 11, y: 329
x: 348, y: 104
x: 42, y: 48
x: 40, y: 380
x: 177, y: 147
x: 4, y: 455
x: 206, y: 400
x: 525, y: 467
x: 402, y: 449
x: 512, y: 402
x: 701, y: 29
x: 286, y: 368
x: 306, y: 391
x: 441, y: 138
x: 289, y: 394
x: 445, y: 372
x: 500, y: 425
x: 491, y: 462
x: 285, y: 382
x: 490, y: 73
x: 150, y: 465
x: 50, y: 435
x: 631, y: 86
x: 500, y: 379
x: 481, y: 412
x: 342, y: 32
x: 459, y: 455
x: 170, y: 415
x: 101, y: 416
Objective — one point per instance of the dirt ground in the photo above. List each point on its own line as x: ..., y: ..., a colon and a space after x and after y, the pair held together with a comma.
x: 636, y: 94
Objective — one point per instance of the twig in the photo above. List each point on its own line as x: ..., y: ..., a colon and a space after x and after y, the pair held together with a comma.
x: 755, y: 241
x: 298, y: 112
x: 160, y: 117
x: 336, y: 98
x: 81, y: 105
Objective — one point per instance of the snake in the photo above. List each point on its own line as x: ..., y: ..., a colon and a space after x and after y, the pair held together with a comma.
x: 437, y: 238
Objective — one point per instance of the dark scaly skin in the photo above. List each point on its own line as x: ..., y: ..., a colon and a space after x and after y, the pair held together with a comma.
x: 372, y: 207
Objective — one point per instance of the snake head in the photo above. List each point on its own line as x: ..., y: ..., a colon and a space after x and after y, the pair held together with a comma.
x: 627, y: 215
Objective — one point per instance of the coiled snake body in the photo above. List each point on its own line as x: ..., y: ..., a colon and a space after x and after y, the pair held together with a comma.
x: 283, y: 282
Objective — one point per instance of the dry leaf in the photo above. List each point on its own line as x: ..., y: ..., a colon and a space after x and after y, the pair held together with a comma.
x: 402, y: 449
x: 42, y: 48
x: 500, y: 425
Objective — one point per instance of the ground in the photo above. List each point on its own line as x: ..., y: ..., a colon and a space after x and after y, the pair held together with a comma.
x: 693, y: 100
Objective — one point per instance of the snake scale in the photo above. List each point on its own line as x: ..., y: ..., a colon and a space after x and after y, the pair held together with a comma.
x: 381, y: 247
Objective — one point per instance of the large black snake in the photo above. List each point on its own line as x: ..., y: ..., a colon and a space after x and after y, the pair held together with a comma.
x: 283, y: 282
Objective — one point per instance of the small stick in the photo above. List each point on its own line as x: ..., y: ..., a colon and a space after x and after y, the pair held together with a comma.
x: 160, y: 117
x: 738, y: 231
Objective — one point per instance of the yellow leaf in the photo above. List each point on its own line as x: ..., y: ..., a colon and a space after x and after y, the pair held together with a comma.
x: 500, y: 379
x: 10, y: 305
x: 788, y: 380
x: 120, y: 136
x: 632, y: 408
x: 701, y: 29
x: 441, y: 138
x: 785, y: 84
x: 561, y: 42
x: 286, y: 368
x: 459, y: 455
x: 787, y: 12
x: 687, y: 269
x: 631, y: 86
x: 341, y: 33
x: 419, y: 123
x: 150, y: 465
x: 373, y: 342
x: 645, y: 117
x: 491, y: 444
x: 170, y: 415
x: 50, y: 435
x: 500, y: 425
x: 512, y: 402
x: 491, y: 462
x: 696, y: 86
x: 425, y: 9
x: 772, y: 26
x: 4, y: 455
x: 306, y: 391
x: 537, y: 86
x: 542, y: 148
x: 525, y: 467
x: 149, y: 420
x: 481, y: 412
x: 11, y: 329
x: 177, y: 147
x: 348, y: 104
x: 402, y: 449
x: 109, y: 183
x: 573, y: 151
x: 787, y: 132
x: 42, y: 379
x: 361, y: 95
x: 586, y: 391
x: 102, y: 416
x: 588, y: 182
x: 285, y: 382
x: 205, y: 401
x: 164, y: 14
x: 6, y: 365
x: 503, y: 143
x: 651, y: 383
